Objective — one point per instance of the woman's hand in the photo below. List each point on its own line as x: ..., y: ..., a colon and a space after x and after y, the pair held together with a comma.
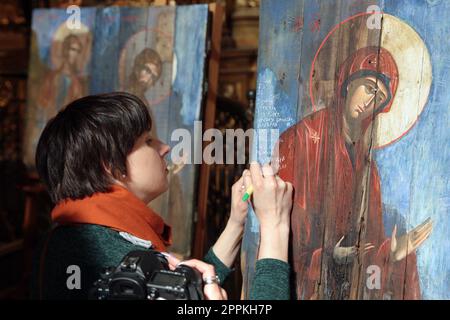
x: 272, y: 203
x: 227, y: 246
x: 272, y: 197
x: 212, y: 291
x: 239, y: 208
x: 172, y: 260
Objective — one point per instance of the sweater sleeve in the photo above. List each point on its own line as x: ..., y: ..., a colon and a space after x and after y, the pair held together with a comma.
x: 271, y: 280
x: 221, y: 269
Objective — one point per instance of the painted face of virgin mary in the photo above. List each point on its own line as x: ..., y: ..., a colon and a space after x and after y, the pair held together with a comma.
x: 367, y: 82
x: 365, y: 95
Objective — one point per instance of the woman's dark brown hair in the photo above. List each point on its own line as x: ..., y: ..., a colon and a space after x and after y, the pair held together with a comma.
x: 88, y: 136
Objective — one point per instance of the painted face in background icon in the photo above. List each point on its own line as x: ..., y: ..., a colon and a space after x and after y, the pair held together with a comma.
x: 147, y: 69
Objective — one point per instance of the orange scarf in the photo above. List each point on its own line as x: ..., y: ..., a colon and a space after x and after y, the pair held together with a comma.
x: 120, y: 210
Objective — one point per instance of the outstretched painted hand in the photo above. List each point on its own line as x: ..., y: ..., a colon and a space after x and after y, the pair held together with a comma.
x: 409, y: 242
x: 345, y: 255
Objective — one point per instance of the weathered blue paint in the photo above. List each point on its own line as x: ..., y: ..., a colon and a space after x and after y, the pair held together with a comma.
x: 414, y: 170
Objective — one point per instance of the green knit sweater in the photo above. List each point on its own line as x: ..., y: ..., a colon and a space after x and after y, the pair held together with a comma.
x: 94, y: 247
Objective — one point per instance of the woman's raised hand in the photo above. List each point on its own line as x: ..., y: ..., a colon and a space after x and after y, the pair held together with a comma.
x: 239, y: 208
x: 272, y: 197
x: 272, y: 203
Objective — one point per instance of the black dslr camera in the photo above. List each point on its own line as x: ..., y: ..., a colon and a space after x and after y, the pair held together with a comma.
x: 145, y: 275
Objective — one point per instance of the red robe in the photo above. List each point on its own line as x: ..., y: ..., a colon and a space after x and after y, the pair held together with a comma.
x: 314, y: 158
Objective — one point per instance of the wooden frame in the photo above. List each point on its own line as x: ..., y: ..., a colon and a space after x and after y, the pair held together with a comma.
x: 217, y: 13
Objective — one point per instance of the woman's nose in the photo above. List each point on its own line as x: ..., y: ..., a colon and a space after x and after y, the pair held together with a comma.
x: 165, y: 149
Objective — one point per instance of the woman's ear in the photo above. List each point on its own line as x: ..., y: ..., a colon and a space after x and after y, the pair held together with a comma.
x: 117, y: 176
x: 106, y: 168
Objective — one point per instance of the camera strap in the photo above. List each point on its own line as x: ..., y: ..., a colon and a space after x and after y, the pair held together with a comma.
x: 147, y: 244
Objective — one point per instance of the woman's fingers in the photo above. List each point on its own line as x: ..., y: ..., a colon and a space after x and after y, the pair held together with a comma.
x: 281, y: 183
x: 172, y: 260
x: 211, y: 289
x: 257, y: 178
x: 270, y: 180
x: 290, y: 187
x: 272, y: 197
x: 224, y: 294
x: 267, y: 171
x: 247, y: 179
x: 204, y: 268
x: 213, y: 292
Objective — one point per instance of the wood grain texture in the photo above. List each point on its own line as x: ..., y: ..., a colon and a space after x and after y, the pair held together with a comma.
x: 356, y: 179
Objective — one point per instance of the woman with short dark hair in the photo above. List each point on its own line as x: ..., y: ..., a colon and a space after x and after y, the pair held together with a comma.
x: 102, y: 167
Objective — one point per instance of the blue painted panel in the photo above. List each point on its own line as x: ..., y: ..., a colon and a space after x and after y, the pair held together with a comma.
x: 413, y: 170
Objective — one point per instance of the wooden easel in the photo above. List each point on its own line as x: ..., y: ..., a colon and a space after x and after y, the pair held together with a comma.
x: 217, y: 14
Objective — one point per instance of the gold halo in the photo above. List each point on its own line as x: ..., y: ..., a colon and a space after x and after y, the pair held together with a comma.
x: 415, y: 75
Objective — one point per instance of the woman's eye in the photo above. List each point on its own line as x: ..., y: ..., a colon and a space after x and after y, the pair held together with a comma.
x: 149, y: 141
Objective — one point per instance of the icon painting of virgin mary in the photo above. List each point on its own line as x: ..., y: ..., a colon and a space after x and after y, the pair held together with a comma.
x: 337, y: 220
